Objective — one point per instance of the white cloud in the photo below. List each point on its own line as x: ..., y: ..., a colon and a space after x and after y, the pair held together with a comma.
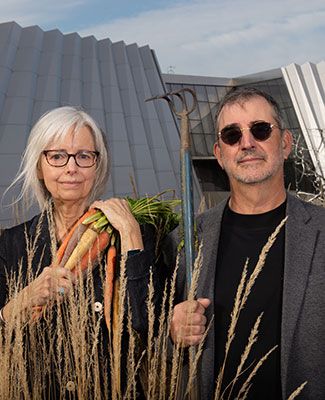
x: 37, y: 12
x: 199, y: 37
x: 226, y: 38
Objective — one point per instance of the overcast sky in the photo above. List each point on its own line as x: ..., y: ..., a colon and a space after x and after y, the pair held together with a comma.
x: 224, y: 38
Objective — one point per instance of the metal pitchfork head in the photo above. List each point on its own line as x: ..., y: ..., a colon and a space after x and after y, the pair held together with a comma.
x: 186, y: 171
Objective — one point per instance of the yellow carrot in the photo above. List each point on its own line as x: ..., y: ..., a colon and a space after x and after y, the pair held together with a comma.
x: 66, y: 240
x: 92, y: 255
x: 85, y: 243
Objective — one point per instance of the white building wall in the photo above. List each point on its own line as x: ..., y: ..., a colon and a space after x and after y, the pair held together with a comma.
x: 306, y: 85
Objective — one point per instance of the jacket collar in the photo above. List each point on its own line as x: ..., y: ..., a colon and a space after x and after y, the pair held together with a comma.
x: 209, y: 226
x: 300, y: 240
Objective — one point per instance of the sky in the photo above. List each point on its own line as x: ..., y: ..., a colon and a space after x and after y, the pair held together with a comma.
x: 221, y: 38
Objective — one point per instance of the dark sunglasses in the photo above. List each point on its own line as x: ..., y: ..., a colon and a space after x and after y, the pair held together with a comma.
x: 232, y: 134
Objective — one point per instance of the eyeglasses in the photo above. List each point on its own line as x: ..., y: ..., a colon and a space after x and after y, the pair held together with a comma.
x: 60, y: 158
x: 232, y: 134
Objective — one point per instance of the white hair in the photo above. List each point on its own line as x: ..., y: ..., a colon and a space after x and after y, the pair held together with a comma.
x: 54, y: 125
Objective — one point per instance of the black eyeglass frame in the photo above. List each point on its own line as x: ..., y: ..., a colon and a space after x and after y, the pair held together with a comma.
x: 239, y: 131
x: 95, y: 153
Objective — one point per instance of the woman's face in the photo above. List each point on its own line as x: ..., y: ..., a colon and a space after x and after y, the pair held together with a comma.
x: 70, y: 183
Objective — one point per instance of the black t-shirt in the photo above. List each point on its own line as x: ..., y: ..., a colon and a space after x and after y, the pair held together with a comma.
x: 242, y: 237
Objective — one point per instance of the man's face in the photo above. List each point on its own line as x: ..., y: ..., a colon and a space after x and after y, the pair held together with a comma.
x: 250, y: 161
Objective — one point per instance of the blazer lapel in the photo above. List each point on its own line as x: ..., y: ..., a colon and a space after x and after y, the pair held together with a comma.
x: 209, y: 235
x: 209, y: 231
x: 299, y: 247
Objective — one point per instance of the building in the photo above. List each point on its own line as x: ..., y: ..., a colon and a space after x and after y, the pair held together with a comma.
x: 40, y: 70
x: 111, y: 81
x: 299, y: 90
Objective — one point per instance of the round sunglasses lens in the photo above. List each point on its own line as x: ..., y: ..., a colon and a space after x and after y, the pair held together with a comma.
x: 231, y: 135
x: 261, y: 130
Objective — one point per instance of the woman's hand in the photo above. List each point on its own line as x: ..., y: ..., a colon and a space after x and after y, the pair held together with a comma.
x: 119, y: 215
x: 48, y: 285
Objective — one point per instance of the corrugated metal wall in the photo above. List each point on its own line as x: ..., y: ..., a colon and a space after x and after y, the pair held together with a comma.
x: 42, y: 70
x: 306, y: 85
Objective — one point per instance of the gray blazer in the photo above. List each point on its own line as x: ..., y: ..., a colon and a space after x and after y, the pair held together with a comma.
x: 303, y: 309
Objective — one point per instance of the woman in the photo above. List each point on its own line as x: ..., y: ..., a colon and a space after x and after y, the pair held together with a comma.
x: 64, y: 168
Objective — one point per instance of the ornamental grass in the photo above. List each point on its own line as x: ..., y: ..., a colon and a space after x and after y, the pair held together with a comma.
x: 39, y: 359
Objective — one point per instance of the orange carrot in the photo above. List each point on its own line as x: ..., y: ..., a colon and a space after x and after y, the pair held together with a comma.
x: 108, y: 292
x: 66, y: 240
x: 91, y: 257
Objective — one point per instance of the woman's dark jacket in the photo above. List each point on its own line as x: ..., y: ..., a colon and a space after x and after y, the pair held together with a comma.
x: 35, y: 233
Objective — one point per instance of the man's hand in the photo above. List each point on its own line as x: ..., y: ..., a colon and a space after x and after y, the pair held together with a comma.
x: 189, y: 322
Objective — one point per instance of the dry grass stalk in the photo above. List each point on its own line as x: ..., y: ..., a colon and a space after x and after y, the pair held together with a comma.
x: 251, y: 340
x: 131, y: 363
x: 261, y: 260
x: 232, y: 328
x: 163, y: 346
x: 12, y: 359
x: 169, y: 380
x: 157, y: 362
x: 156, y: 370
x: 52, y: 230
x: 177, y: 352
x: 38, y: 359
x: 54, y: 358
x: 242, y: 394
x: 118, y: 327
x: 176, y: 356
x: 237, y: 306
x: 152, y: 361
x: 196, y: 274
x: 297, y: 391
x: 243, y: 291
x: 13, y: 363
x: 195, y: 359
x: 31, y: 246
x: 176, y: 372
x: 80, y: 330
x: 191, y: 388
x: 69, y: 354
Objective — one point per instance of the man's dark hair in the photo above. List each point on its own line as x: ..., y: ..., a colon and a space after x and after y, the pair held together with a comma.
x: 240, y: 95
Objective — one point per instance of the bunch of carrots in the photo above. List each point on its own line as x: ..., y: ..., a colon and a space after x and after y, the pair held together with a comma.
x: 93, y: 234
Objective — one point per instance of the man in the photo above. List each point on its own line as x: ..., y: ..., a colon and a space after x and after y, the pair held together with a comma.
x: 251, y: 146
